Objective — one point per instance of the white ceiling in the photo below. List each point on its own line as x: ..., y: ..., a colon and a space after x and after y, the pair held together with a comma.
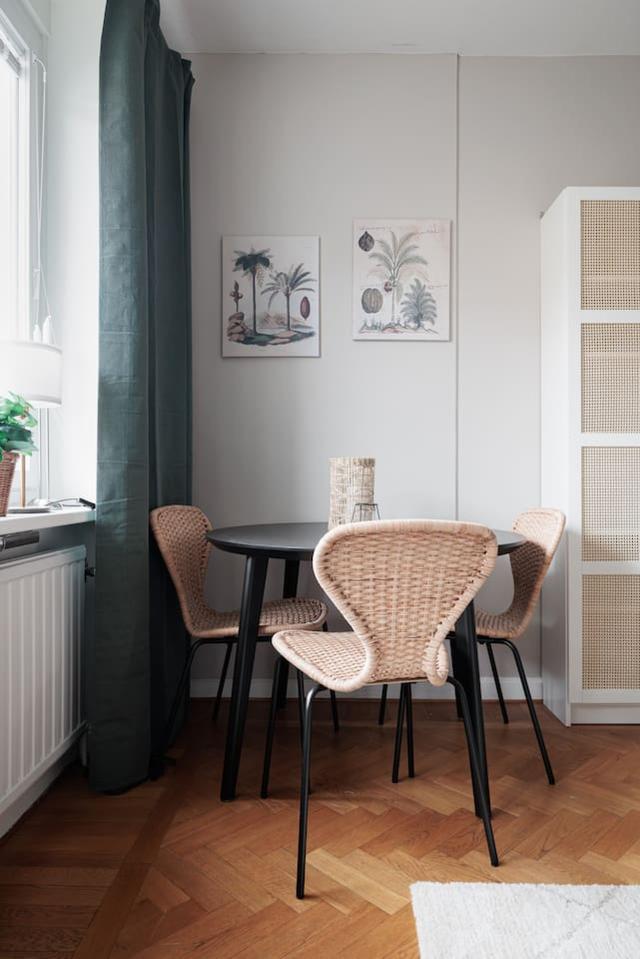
x: 468, y: 27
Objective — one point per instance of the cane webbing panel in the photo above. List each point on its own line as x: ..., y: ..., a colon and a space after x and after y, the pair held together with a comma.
x: 611, y: 632
x: 610, y: 274
x: 611, y: 377
x: 611, y: 503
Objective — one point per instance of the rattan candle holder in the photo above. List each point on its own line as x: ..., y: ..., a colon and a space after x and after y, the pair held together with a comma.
x: 352, y: 481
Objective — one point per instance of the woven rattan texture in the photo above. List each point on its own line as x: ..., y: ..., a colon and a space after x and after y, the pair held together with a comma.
x: 7, y: 469
x: 181, y: 534
x: 611, y: 632
x: 610, y: 254
x: 610, y: 503
x: 611, y: 377
x: 352, y: 481
x: 543, y: 530
x: 401, y: 585
x: 340, y: 656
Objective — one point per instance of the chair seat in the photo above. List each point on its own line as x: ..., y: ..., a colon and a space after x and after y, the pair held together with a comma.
x: 335, y: 660
x: 303, y: 614
x: 498, y: 625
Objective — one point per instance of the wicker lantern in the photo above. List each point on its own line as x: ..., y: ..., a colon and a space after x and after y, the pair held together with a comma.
x: 352, y: 481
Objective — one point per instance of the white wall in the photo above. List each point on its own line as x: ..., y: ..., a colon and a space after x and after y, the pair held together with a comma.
x: 31, y: 19
x: 528, y: 128
x: 288, y: 144
x: 40, y: 10
x: 72, y: 242
x: 302, y: 144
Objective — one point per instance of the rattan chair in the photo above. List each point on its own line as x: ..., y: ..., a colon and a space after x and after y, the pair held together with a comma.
x: 181, y: 535
x: 543, y: 530
x: 401, y: 585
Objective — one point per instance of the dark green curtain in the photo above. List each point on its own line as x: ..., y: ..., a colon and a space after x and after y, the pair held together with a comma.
x: 144, y: 401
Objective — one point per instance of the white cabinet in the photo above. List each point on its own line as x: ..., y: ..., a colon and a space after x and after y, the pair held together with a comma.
x: 591, y: 453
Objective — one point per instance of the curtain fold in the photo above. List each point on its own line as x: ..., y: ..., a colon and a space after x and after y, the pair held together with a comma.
x: 144, y: 393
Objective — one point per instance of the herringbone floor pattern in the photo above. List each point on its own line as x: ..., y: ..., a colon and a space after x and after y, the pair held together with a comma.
x: 167, y: 872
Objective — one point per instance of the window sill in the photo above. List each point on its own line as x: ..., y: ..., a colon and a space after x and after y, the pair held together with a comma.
x: 23, y: 523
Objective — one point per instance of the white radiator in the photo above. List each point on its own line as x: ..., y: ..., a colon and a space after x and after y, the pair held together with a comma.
x: 41, y: 629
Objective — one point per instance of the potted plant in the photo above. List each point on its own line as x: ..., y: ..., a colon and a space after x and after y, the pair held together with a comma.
x: 16, y: 424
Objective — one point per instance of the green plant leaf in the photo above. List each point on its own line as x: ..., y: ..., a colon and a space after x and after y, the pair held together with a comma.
x: 413, y: 260
x: 406, y: 239
x: 386, y: 261
x: 385, y: 248
x: 16, y: 423
x: 250, y: 262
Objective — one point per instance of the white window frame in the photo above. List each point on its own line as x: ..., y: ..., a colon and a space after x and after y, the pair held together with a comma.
x: 18, y: 327
x: 27, y: 38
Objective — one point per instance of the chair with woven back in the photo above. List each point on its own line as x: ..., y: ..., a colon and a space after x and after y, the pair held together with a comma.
x: 401, y: 585
x: 181, y: 535
x: 542, y: 528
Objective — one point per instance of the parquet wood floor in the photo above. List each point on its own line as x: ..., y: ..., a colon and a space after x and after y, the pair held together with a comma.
x: 168, y: 872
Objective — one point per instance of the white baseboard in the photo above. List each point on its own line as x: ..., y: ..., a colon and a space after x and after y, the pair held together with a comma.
x: 261, y: 689
x: 592, y: 714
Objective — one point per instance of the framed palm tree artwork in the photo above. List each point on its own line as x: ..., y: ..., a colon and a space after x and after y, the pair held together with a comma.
x: 270, y: 296
x: 401, y: 280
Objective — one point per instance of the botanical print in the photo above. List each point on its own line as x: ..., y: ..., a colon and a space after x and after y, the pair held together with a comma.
x: 401, y: 271
x: 270, y: 296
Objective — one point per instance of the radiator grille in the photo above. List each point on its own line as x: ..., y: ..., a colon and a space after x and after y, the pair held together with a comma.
x: 611, y: 377
x: 610, y: 254
x: 41, y: 625
x: 611, y: 632
x: 610, y: 503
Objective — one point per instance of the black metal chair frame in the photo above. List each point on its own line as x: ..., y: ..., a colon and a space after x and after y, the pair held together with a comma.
x: 535, y: 722
x: 405, y: 713
x: 186, y: 673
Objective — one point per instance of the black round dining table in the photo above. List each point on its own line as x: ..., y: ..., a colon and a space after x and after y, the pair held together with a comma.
x: 295, y: 543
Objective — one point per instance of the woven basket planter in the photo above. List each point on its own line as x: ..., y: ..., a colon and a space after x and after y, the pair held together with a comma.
x: 352, y: 482
x: 7, y: 469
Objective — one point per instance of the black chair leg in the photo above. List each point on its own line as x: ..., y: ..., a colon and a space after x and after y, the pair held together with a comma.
x: 301, y: 694
x: 300, y: 682
x: 180, y: 691
x: 496, y: 679
x: 458, y: 706
x: 334, y: 712
x: 532, y: 709
x: 304, y: 790
x: 383, y: 704
x: 397, y: 749
x: 409, y: 711
x: 222, y: 681
x: 334, y: 702
x: 474, y: 763
x: 271, y: 727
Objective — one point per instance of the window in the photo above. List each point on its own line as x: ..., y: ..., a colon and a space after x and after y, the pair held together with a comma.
x: 21, y: 92
x: 15, y: 175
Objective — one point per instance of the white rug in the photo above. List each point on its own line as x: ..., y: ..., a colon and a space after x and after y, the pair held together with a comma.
x: 499, y: 921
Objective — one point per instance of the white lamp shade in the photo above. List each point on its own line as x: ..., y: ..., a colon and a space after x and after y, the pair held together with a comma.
x: 32, y: 370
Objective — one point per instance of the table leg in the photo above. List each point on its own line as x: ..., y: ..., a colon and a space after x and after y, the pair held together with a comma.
x: 255, y: 574
x: 289, y: 591
x: 466, y: 669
